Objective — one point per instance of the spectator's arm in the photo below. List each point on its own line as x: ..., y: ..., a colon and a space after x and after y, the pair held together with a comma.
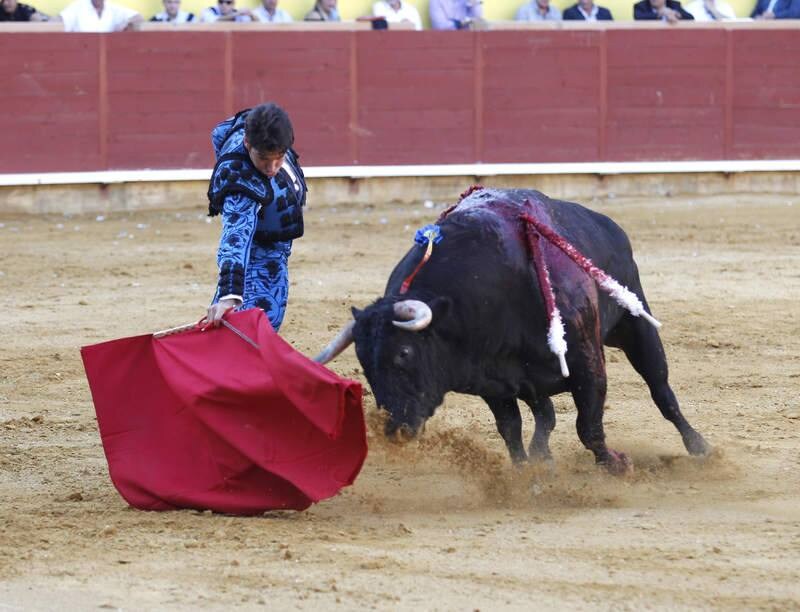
x: 439, y: 18
x: 379, y: 9
x: 417, y: 20
x: 133, y: 22
x: 641, y: 11
x: 68, y: 18
x: 787, y: 9
x: 684, y: 14
x: 238, y: 13
x: 208, y: 16
x: 475, y: 9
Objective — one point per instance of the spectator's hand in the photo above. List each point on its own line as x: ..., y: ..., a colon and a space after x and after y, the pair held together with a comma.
x: 768, y: 15
x: 133, y: 23
x: 216, y: 312
x: 247, y: 13
x: 670, y: 15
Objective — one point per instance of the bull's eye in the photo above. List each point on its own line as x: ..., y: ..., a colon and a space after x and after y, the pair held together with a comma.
x: 404, y: 356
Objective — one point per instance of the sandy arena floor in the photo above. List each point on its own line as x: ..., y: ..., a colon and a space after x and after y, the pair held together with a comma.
x: 444, y: 523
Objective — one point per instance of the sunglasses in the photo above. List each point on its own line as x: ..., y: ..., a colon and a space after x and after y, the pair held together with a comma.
x: 225, y: 1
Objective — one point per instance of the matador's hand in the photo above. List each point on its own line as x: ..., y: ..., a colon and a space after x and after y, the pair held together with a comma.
x: 216, y: 312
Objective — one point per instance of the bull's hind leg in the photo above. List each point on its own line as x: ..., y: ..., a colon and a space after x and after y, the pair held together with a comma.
x: 642, y: 346
x: 509, y: 424
x: 587, y: 382
x: 589, y: 393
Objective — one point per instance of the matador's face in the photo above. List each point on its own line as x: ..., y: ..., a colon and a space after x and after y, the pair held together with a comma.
x: 267, y: 162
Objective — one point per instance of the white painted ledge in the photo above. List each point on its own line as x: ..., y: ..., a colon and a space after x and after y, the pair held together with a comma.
x: 362, y: 172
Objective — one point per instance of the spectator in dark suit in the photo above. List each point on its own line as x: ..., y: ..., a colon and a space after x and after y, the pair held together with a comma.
x: 11, y: 10
x: 587, y: 10
x: 666, y: 10
x: 776, y: 9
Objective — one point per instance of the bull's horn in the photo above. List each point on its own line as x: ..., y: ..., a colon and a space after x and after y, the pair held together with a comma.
x: 342, y: 340
x: 414, y: 315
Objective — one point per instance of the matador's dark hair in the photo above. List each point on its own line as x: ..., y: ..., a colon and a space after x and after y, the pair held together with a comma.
x: 269, y: 129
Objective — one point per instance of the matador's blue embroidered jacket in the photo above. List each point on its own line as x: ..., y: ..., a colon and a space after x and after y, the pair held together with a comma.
x: 260, y: 218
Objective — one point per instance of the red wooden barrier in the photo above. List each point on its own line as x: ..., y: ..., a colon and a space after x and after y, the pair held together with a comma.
x: 76, y: 102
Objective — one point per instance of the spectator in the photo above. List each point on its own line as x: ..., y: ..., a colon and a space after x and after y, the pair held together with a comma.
x: 538, y: 10
x: 776, y: 9
x: 397, y: 11
x: 324, y: 10
x: 587, y: 10
x: 455, y: 14
x: 98, y: 16
x: 710, y: 10
x: 11, y: 10
x: 173, y: 14
x: 269, y: 12
x: 226, y: 11
x: 666, y: 10
x: 258, y: 187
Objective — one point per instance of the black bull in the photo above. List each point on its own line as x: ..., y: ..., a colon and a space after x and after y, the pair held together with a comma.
x: 474, y: 321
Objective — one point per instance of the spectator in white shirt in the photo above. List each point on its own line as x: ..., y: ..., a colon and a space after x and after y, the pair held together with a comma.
x: 710, y: 10
x: 172, y: 13
x: 269, y: 12
x: 397, y: 11
x: 538, y: 10
x: 323, y: 10
x: 226, y: 11
x: 98, y: 16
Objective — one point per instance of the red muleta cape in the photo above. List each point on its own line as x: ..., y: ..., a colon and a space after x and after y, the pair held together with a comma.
x: 206, y: 420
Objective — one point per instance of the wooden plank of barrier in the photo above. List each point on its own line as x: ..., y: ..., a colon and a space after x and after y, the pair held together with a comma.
x: 666, y: 94
x: 310, y: 76
x: 163, y: 117
x: 765, y: 94
x: 416, y: 97
x: 541, y: 95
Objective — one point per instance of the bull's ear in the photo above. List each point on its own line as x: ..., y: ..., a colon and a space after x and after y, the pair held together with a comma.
x: 443, y: 323
x: 441, y: 308
x: 356, y: 312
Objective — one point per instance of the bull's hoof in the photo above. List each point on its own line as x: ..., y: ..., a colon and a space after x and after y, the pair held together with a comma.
x: 618, y: 464
x: 696, y: 444
x: 539, y: 455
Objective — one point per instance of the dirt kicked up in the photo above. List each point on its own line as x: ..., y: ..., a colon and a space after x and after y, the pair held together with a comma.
x: 445, y: 522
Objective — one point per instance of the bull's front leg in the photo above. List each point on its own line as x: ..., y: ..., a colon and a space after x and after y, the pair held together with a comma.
x: 509, y: 424
x: 588, y: 387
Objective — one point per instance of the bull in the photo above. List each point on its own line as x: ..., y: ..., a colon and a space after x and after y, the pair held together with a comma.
x: 474, y: 320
